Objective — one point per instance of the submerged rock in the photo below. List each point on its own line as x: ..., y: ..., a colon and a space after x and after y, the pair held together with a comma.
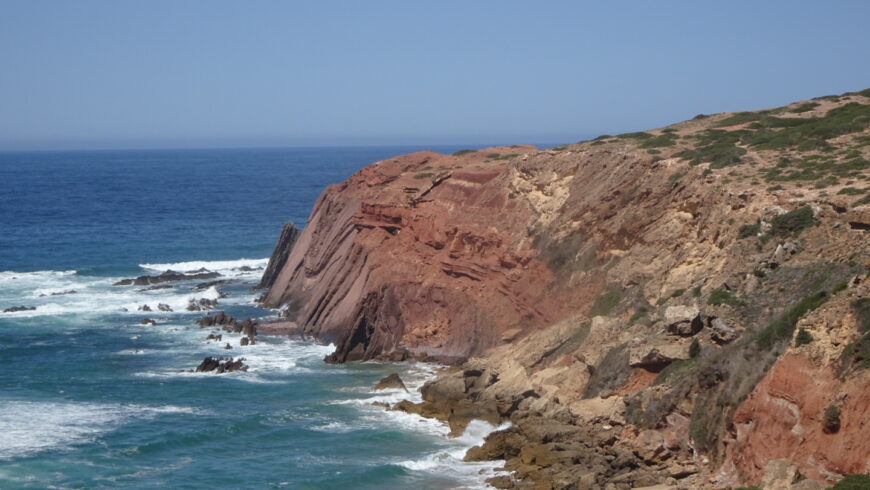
x: 147, y: 321
x: 201, y: 304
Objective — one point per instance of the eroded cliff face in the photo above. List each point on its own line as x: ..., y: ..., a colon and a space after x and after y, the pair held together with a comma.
x: 681, y: 306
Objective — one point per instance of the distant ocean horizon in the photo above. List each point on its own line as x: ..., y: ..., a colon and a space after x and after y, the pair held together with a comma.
x: 93, y: 398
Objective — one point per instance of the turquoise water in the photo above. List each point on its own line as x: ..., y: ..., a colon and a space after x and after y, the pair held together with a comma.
x: 90, y: 398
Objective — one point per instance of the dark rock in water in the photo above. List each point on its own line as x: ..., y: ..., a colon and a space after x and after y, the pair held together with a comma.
x: 144, y: 308
x: 220, y: 365
x: 208, y: 284
x: 246, y: 268
x: 220, y: 318
x: 201, y: 304
x: 283, y: 247
x: 249, y: 328
x: 244, y: 341
x: 160, y: 286
x: 60, y: 293
x: 228, y: 346
x: 381, y: 404
x: 217, y: 337
x: 147, y: 321
x: 19, y: 308
x: 167, y: 277
x: 164, y: 307
x: 391, y: 382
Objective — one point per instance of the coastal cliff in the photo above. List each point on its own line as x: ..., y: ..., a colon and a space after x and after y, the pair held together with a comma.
x: 686, y: 306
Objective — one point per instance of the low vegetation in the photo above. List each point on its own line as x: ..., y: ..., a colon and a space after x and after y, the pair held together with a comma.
x: 783, y: 326
x: 792, y: 223
x: 724, y: 297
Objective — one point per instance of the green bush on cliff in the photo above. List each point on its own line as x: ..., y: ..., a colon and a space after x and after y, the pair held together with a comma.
x: 861, y: 308
x: 793, y: 222
x: 802, y: 338
x: 717, y: 147
x: 784, y: 325
x: 853, y: 482
x: 605, y: 303
x: 724, y: 297
x: 747, y: 231
x: 463, y: 152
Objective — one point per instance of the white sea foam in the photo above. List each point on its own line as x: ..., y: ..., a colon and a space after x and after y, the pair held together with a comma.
x: 28, y: 427
x: 450, y: 462
x: 223, y: 266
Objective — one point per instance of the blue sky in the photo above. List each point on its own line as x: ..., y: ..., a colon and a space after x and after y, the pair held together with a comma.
x: 115, y: 73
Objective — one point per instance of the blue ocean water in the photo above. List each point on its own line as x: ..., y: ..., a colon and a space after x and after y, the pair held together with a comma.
x: 91, y: 398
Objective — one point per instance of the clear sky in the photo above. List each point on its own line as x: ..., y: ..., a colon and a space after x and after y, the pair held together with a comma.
x: 187, y: 73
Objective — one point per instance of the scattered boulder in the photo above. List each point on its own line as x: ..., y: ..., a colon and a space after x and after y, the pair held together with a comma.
x: 164, y: 307
x: 147, y: 321
x: 220, y: 318
x: 721, y: 331
x: 202, y: 304
x: 391, y: 382
x: 59, y: 293
x: 220, y: 365
x: 206, y: 285
x: 144, y: 308
x: 167, y: 277
x: 780, y: 474
x: 228, y: 346
x: 159, y: 286
x: 19, y: 308
x: 215, y: 337
x: 244, y: 341
x: 683, y: 320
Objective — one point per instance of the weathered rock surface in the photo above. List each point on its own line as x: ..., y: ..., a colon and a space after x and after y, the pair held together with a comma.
x: 391, y: 382
x: 674, y: 318
x: 288, y: 237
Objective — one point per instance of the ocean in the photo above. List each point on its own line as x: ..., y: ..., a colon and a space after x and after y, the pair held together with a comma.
x: 92, y: 398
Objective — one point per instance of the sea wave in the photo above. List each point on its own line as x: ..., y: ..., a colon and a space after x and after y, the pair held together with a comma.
x: 62, y: 424
x: 212, y: 265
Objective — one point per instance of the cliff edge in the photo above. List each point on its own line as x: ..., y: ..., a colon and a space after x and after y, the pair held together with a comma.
x: 686, y: 306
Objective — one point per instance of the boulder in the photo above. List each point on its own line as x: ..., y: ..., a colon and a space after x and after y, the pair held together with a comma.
x: 164, y: 307
x: 780, y: 474
x: 147, y: 321
x: 391, y: 382
x: 220, y: 365
x: 228, y: 346
x: 144, y: 308
x: 721, y: 332
x: 201, y: 304
x: 243, y: 341
x: 216, y: 337
x: 683, y: 320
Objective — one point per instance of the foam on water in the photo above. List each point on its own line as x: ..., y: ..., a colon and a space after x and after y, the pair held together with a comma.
x: 64, y: 424
x: 223, y: 266
x: 450, y: 462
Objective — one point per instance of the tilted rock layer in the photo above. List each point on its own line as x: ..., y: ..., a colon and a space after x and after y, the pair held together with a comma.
x: 685, y: 306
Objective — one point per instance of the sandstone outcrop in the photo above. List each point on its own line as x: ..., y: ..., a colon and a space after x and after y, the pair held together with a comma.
x: 677, y: 307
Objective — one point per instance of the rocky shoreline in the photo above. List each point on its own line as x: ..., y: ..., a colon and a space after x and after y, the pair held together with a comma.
x: 685, y: 307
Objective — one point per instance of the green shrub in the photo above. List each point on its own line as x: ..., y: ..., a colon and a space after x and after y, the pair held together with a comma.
x: 605, y: 303
x: 463, y: 152
x: 812, y: 132
x: 783, y: 326
x: 747, y: 231
x: 862, y: 201
x: 694, y: 348
x: 724, y: 297
x: 696, y: 291
x: 666, y: 139
x: 853, y: 482
x: 424, y: 175
x: 861, y: 308
x: 640, y: 135
x: 759, y: 273
x: 802, y: 338
x: 717, y: 147
x: 851, y: 191
x: 793, y: 222
x: 740, y: 118
x: 806, y: 107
